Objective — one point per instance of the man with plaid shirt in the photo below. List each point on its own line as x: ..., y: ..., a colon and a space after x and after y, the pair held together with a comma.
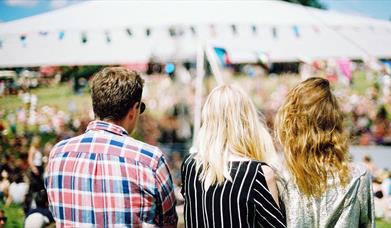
x: 104, y: 177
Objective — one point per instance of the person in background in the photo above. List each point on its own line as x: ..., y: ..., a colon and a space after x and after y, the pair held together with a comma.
x: 40, y: 216
x: 386, y: 186
x: 318, y: 185
x: 36, y: 165
x: 368, y: 163
x: 225, y: 182
x: 17, y: 190
x: 105, y: 177
x: 3, y: 218
x: 4, y: 185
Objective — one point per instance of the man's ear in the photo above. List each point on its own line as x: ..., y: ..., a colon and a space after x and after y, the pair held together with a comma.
x: 132, y: 113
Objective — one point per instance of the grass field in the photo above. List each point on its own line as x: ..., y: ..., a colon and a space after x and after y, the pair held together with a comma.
x: 57, y: 96
x: 14, y: 214
x: 60, y: 96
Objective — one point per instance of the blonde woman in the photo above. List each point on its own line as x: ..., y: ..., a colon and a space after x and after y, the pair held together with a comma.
x: 36, y: 165
x: 225, y: 184
x: 320, y: 188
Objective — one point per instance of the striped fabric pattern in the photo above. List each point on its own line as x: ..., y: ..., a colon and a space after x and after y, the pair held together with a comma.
x: 104, y: 178
x: 244, y: 202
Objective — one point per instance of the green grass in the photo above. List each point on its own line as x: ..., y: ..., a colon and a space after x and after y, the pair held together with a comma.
x: 57, y: 96
x: 360, y: 82
x: 382, y: 224
x: 14, y: 214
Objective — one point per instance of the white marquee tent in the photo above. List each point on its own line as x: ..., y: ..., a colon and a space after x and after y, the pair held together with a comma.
x: 120, y: 32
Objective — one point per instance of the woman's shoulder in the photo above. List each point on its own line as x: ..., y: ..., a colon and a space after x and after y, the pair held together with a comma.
x: 188, y: 160
x: 269, y: 172
x: 358, y: 170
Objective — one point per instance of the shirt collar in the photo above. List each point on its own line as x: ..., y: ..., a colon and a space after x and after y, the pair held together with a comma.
x: 102, y: 125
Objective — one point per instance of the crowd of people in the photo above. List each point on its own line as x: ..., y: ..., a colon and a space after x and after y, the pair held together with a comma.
x: 30, y: 131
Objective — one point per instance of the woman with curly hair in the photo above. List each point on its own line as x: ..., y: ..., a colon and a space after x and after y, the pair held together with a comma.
x: 319, y: 187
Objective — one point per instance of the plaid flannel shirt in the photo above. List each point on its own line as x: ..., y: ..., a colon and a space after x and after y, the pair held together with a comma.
x: 105, y: 178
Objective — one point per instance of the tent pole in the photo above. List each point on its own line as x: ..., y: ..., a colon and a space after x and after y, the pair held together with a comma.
x: 198, y: 89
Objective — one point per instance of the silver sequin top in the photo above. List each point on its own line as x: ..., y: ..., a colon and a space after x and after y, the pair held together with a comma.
x: 349, y: 206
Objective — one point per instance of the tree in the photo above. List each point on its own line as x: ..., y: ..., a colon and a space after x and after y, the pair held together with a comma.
x: 311, y: 3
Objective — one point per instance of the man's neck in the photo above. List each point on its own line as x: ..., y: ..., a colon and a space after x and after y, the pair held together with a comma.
x: 116, y: 122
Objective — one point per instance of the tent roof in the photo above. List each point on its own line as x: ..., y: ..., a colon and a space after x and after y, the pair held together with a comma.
x: 105, y: 15
x: 321, y: 33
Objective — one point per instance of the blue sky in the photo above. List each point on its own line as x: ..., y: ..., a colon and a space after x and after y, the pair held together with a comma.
x: 380, y: 9
x: 15, y: 9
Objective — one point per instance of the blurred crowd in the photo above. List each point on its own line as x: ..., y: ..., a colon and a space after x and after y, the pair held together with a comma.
x: 29, y: 132
x: 381, y: 180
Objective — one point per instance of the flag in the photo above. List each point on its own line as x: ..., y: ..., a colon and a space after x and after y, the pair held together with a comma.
x: 43, y: 33
x: 223, y: 56
x: 84, y: 38
x: 61, y: 35
x: 274, y: 32
x: 23, y: 40
x: 296, y: 31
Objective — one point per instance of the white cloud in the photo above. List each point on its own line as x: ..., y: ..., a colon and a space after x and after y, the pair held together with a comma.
x: 58, y: 3
x: 22, y: 3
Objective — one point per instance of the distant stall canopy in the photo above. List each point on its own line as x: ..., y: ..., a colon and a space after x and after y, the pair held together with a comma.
x: 130, y: 32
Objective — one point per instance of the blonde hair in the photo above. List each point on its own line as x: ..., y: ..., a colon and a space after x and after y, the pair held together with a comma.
x: 36, y: 142
x: 230, y: 124
x: 309, y: 126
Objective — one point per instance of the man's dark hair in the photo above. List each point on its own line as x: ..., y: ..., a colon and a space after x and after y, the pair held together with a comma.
x: 114, y: 91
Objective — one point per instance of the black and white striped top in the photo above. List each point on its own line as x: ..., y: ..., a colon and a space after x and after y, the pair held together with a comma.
x: 244, y: 202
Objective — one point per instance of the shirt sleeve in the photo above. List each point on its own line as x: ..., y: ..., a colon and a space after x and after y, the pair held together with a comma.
x: 166, y: 214
x: 267, y: 212
x: 367, y: 208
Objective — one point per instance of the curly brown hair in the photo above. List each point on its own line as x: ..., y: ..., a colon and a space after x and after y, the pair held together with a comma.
x: 309, y: 126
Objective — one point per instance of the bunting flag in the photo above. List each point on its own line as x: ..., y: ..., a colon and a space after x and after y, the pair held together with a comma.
x: 84, y: 38
x: 175, y: 31
x: 296, y: 31
x: 223, y: 56
x: 148, y: 32
x: 172, y: 31
x: 254, y: 29
x: 193, y: 31
x: 234, y: 29
x: 43, y: 33
x: 61, y: 35
x: 108, y: 38
x: 180, y: 31
x: 274, y: 32
x: 129, y: 32
x: 169, y: 68
x: 23, y: 40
